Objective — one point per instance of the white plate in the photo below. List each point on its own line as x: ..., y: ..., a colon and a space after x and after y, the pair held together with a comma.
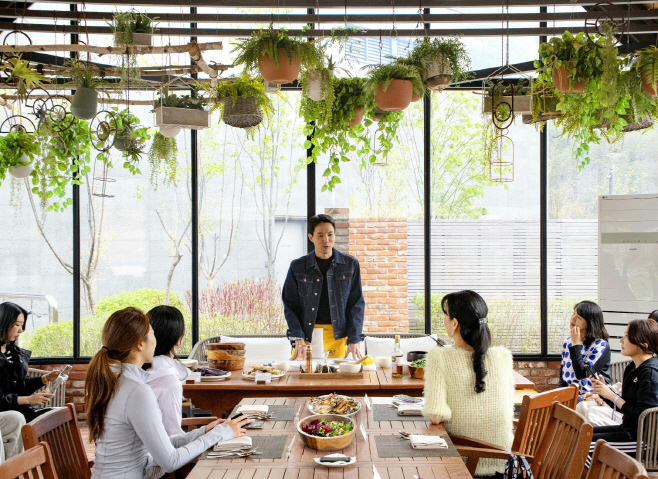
x: 253, y: 378
x: 335, y: 464
x: 211, y: 379
x: 312, y: 411
x: 189, y: 363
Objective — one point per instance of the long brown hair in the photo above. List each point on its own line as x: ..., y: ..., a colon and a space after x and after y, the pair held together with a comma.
x: 123, y: 330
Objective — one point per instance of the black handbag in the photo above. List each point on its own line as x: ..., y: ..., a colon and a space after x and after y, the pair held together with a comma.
x: 516, y: 467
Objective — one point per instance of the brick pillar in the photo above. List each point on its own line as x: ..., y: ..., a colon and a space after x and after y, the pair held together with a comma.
x: 342, y: 218
x: 545, y: 374
x: 75, y: 386
x: 380, y: 245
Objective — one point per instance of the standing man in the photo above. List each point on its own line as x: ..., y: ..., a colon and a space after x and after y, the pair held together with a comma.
x: 323, y: 292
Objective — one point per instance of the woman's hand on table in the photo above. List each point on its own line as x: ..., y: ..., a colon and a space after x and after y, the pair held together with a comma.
x: 237, y: 425
x: 300, y: 350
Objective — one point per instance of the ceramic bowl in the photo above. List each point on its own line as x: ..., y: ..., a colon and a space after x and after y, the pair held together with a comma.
x: 384, y: 361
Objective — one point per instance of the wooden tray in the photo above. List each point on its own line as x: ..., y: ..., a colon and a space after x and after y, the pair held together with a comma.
x: 360, y: 375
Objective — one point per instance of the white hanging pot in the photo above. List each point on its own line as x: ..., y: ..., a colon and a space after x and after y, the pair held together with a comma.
x: 314, y: 88
x: 22, y: 171
x: 169, y: 132
x: 437, y: 73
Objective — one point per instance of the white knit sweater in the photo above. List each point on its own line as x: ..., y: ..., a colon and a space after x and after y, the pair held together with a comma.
x: 450, y: 397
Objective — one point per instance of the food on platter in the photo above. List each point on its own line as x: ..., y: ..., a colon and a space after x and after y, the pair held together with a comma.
x: 334, y: 404
x: 258, y: 368
x: 324, y: 428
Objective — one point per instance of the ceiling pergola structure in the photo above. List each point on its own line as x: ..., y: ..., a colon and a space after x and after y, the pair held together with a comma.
x: 434, y: 18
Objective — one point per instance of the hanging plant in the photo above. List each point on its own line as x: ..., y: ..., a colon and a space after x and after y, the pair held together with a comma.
x: 174, y: 112
x: 441, y: 60
x: 66, y: 159
x: 278, y: 57
x: 20, y: 74
x: 544, y: 103
x: 571, y: 61
x: 163, y: 158
x: 393, y: 85
x: 17, y: 152
x: 132, y: 28
x: 317, y: 86
x: 502, y: 97
x: 86, y: 78
x: 243, y: 103
x: 647, y: 66
x: 130, y: 138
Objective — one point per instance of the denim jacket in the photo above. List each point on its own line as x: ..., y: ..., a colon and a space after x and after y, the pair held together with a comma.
x: 302, y: 290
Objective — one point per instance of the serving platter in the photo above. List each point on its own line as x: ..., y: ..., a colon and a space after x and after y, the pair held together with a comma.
x: 212, y: 379
x: 309, y: 406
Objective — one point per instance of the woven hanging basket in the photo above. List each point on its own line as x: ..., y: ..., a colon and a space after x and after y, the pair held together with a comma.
x: 244, y: 113
x: 638, y: 125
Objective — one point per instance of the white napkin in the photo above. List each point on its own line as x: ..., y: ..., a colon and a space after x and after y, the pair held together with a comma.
x: 427, y: 442
x: 243, y: 442
x: 253, y: 409
x: 410, y: 410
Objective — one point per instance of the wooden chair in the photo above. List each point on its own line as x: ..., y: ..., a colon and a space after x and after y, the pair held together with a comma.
x: 560, y: 453
x: 59, y: 428
x: 610, y: 462
x: 188, y: 424
x: 33, y: 463
x: 534, y: 416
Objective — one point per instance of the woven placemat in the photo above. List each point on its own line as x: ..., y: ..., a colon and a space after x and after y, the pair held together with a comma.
x: 383, y: 412
x: 270, y: 447
x: 281, y: 413
x: 396, y: 446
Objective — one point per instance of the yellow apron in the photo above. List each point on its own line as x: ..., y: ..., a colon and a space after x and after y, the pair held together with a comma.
x: 337, y: 347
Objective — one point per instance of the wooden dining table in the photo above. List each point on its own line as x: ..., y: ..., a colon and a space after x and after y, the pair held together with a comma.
x: 300, y: 464
x: 225, y: 395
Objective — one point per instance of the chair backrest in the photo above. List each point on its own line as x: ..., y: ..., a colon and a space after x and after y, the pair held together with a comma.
x: 59, y: 399
x: 647, y: 438
x: 535, y: 412
x: 199, y: 351
x: 59, y: 428
x: 617, y: 371
x: 610, y: 462
x: 36, y: 462
x: 564, y: 445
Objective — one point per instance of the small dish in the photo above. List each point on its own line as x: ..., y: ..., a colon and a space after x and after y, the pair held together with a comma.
x: 212, y: 379
x: 335, y: 464
x: 253, y: 378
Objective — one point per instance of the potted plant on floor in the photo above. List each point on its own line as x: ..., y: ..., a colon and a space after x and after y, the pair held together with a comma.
x: 132, y: 28
x: 647, y: 66
x: 442, y: 61
x: 571, y: 61
x: 243, y: 102
x: 17, y: 152
x: 394, y: 84
x: 279, y: 58
x: 86, y: 78
x: 174, y: 112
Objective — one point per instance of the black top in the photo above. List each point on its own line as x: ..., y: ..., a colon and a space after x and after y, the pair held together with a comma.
x: 15, y: 382
x: 324, y: 310
x: 640, y: 391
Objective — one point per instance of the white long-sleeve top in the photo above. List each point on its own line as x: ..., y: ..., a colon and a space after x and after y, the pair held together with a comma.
x: 165, y: 377
x: 450, y: 397
x: 134, y: 435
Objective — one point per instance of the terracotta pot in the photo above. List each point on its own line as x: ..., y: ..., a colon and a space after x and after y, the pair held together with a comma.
x: 646, y: 84
x: 358, y: 112
x: 396, y: 97
x: 319, y: 443
x: 414, y: 97
x: 561, y: 81
x: 286, y: 72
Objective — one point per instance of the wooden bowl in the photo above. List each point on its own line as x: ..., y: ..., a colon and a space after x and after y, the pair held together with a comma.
x: 326, y: 443
x: 223, y: 346
x: 227, y: 365
x: 417, y: 373
x: 223, y: 355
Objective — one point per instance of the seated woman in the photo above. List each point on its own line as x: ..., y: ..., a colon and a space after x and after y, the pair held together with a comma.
x: 16, y: 388
x: 586, y: 346
x: 165, y: 373
x: 654, y: 315
x: 455, y: 388
x: 639, y: 389
x: 123, y: 415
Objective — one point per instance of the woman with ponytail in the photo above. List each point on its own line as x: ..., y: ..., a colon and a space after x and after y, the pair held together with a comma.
x: 122, y: 412
x: 470, y: 387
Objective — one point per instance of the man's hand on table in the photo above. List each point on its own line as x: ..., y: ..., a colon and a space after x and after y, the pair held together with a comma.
x: 354, y: 350
x: 300, y: 350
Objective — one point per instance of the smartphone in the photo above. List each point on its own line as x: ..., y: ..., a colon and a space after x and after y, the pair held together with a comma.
x: 237, y: 416
x: 590, y: 373
x: 63, y: 377
x: 256, y: 425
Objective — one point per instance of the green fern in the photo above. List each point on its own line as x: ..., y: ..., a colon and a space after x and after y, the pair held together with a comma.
x: 647, y: 66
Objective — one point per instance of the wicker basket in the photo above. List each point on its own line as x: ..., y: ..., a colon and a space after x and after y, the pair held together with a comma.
x: 244, y: 113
